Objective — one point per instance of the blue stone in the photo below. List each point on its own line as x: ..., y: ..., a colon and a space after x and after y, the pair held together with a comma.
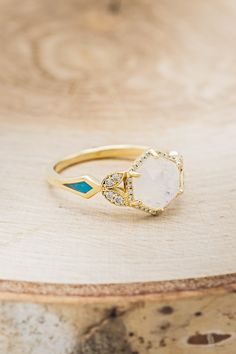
x: 82, y: 187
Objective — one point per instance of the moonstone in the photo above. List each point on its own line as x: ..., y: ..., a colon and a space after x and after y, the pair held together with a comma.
x: 159, y: 182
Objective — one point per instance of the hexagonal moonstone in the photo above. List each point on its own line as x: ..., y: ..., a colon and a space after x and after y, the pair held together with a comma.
x: 159, y: 182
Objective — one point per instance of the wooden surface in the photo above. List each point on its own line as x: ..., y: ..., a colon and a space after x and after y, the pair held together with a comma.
x: 180, y: 323
x: 77, y: 74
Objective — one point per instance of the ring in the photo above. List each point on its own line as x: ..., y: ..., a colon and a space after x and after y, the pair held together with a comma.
x: 153, y: 180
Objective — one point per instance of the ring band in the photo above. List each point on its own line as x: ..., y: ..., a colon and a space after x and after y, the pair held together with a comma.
x: 153, y: 180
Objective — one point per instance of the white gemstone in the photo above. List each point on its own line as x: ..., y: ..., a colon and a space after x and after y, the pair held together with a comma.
x: 119, y: 200
x: 159, y: 182
x: 116, y: 177
x: 109, y: 195
x: 109, y: 182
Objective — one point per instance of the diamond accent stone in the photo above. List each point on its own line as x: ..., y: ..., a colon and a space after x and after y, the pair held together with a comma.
x: 116, y: 177
x: 113, y: 180
x: 109, y: 182
x: 109, y: 195
x: 119, y: 200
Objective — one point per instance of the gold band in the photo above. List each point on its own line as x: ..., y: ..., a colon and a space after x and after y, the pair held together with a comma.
x: 88, y: 186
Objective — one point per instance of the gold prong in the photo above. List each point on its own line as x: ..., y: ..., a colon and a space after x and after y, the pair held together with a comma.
x: 173, y: 154
x: 133, y: 174
x: 135, y: 203
x: 154, y: 153
x: 121, y: 188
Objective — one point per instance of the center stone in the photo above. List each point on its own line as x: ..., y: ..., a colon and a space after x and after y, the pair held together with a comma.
x: 159, y: 182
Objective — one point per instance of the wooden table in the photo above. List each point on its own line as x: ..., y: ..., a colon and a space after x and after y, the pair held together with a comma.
x: 83, y: 276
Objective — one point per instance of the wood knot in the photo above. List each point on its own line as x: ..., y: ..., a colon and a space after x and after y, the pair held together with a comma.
x: 208, y: 338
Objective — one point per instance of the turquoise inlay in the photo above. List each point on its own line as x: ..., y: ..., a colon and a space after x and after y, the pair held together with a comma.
x: 82, y: 187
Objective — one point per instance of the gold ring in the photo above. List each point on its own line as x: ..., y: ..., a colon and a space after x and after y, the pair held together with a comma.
x: 153, y: 180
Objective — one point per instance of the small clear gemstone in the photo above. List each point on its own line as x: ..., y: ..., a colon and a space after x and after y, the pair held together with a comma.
x: 109, y: 182
x: 119, y: 200
x: 109, y: 195
x: 116, y: 177
x: 113, y: 179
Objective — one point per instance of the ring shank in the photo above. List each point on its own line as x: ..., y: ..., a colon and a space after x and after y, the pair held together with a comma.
x: 105, y: 152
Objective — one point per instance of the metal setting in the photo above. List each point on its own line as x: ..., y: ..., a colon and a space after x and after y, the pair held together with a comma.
x: 117, y: 187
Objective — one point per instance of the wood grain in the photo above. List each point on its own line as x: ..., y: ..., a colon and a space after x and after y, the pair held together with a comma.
x: 83, y: 277
x: 185, y: 323
x: 76, y: 75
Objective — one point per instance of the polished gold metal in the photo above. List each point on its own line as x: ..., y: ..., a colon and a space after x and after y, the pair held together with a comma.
x: 116, y: 187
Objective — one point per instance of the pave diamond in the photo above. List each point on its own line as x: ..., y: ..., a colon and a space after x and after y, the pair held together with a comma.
x: 159, y: 182
x: 119, y: 200
x: 109, y: 182
x: 116, y: 177
x: 109, y: 195
x: 113, y: 180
